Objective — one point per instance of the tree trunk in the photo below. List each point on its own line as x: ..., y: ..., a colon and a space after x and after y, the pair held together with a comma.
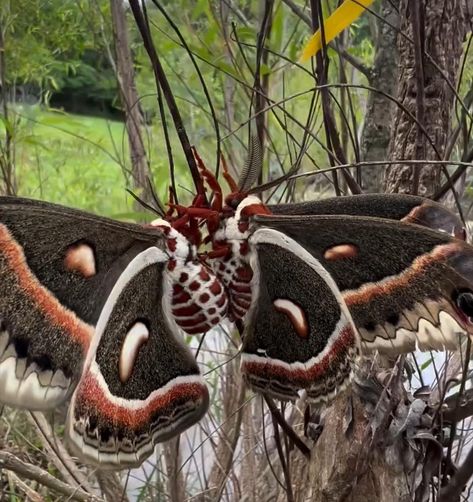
x: 356, y: 458
x: 176, y: 486
x: 377, y: 126
x: 425, y: 90
x: 140, y: 170
x: 7, y: 164
x: 359, y: 456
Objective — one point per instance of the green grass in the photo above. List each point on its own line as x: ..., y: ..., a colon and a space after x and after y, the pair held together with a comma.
x: 72, y: 160
x: 82, y: 161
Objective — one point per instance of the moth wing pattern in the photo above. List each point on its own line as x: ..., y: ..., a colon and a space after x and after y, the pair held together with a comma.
x: 141, y: 384
x: 400, y: 207
x: 57, y: 267
x: 298, y: 332
x: 406, y: 286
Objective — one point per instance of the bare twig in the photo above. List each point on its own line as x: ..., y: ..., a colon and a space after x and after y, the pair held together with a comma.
x: 57, y: 454
x: 277, y: 416
x: 29, y: 471
x: 163, y: 83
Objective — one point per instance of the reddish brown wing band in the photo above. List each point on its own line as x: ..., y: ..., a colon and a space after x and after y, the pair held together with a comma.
x: 42, y: 343
x: 299, y: 334
x: 141, y: 385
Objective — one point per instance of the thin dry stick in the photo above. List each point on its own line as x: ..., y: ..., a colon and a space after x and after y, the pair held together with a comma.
x: 284, y: 463
x: 31, y: 495
x: 163, y: 83
x: 290, y: 432
x: 57, y: 454
x: 29, y: 471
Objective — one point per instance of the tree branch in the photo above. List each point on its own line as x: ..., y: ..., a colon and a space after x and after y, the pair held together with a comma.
x: 453, y: 490
x: 29, y: 471
x: 163, y: 83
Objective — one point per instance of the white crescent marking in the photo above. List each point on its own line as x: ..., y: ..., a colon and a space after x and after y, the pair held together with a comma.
x: 134, y: 339
x: 295, y: 314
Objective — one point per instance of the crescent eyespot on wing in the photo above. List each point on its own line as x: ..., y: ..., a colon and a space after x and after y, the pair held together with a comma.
x: 57, y: 267
x: 405, y: 286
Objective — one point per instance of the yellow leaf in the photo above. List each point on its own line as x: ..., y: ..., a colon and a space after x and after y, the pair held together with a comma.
x: 337, y: 22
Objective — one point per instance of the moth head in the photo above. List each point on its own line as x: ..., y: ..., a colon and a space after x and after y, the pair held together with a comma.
x: 237, y: 226
x: 178, y: 245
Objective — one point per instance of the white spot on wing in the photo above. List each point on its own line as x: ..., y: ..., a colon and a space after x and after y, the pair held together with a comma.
x: 80, y: 258
x: 134, y: 339
x: 295, y: 314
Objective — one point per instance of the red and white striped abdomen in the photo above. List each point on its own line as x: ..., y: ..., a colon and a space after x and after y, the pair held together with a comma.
x: 195, y: 298
x: 199, y: 301
x: 236, y: 275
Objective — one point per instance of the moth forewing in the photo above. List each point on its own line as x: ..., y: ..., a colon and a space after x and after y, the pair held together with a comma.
x: 289, y: 342
x: 406, y: 286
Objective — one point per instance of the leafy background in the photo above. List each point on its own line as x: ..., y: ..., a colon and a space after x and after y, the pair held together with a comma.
x: 62, y: 134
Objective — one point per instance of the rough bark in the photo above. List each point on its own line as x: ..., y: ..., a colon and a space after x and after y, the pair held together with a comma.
x: 441, y: 41
x: 377, y: 127
x: 174, y: 475
x: 358, y: 456
x: 140, y: 171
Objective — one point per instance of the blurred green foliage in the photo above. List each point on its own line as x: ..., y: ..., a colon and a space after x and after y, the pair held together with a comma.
x: 58, y: 53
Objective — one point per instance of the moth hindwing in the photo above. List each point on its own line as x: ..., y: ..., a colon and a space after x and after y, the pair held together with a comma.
x: 141, y: 384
